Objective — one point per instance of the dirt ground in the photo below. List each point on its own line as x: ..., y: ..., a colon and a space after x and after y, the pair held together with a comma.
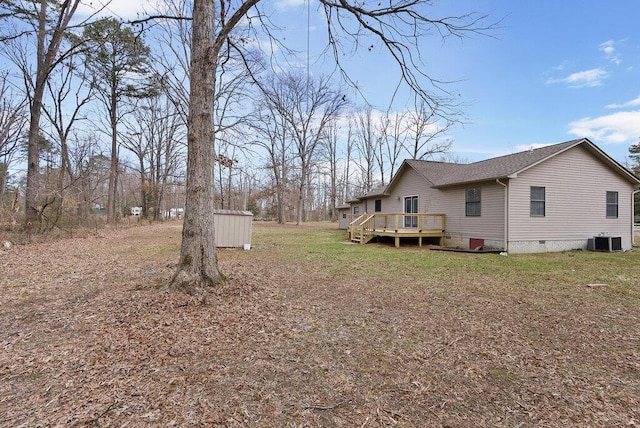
x: 89, y: 338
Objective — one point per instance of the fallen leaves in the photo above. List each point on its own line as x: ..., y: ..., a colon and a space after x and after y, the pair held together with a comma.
x: 91, y: 338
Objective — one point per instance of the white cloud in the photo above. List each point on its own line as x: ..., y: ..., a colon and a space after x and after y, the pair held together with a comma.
x: 609, y: 49
x: 617, y: 128
x: 526, y: 147
x: 633, y: 103
x: 587, y: 78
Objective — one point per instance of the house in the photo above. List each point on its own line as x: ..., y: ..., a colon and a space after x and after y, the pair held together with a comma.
x: 554, y: 198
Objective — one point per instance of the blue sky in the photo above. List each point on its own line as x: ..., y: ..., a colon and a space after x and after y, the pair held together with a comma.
x: 558, y: 70
x: 555, y: 70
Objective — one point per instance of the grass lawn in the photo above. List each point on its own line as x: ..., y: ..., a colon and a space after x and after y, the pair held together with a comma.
x: 309, y: 330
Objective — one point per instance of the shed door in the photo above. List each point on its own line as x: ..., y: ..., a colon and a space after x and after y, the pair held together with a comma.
x: 411, y: 206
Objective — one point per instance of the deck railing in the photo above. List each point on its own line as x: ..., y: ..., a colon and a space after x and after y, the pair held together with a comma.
x: 357, y: 226
x: 363, y: 227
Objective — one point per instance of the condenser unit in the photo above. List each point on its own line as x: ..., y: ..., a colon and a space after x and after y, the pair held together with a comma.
x: 607, y: 243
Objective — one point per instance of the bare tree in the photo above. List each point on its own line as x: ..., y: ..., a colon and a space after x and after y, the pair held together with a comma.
x: 331, y: 142
x: 13, y: 121
x: 308, y: 106
x: 13, y: 117
x: 272, y: 137
x: 68, y: 97
x: 365, y: 144
x: 350, y: 141
x: 171, y: 60
x: 48, y: 20
x: 152, y: 132
x: 398, y: 25
x: 390, y: 141
x: 425, y: 130
x: 634, y: 155
x: 198, y: 264
x: 230, y: 122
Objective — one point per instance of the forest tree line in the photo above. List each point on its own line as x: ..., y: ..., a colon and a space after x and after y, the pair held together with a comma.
x: 111, y: 127
x: 289, y: 145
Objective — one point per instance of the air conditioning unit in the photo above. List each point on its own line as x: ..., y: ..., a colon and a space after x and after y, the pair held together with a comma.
x: 607, y: 243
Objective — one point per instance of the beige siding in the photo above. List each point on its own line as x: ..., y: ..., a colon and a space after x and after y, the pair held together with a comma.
x: 488, y: 226
x: 575, y: 184
x: 232, y: 228
x: 358, y: 208
x: 369, y: 205
x: 411, y: 184
x: 342, y: 218
x: 451, y: 202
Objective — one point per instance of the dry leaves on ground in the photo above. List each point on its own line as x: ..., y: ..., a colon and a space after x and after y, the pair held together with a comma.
x: 90, y: 338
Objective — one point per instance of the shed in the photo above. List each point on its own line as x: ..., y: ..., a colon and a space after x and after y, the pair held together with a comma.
x: 233, y: 228
x: 343, y: 210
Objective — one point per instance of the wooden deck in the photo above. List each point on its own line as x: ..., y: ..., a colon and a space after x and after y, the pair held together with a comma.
x: 363, y: 228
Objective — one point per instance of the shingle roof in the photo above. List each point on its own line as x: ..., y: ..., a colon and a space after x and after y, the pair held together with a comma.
x: 442, y: 174
x: 378, y: 191
x: 446, y: 174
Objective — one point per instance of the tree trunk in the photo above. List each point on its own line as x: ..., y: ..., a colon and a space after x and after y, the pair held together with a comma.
x: 198, y: 267
x: 33, y: 144
x: 279, y: 195
x: 113, y: 167
x: 282, y: 184
x: 301, y: 195
x: 33, y: 161
x: 45, y: 56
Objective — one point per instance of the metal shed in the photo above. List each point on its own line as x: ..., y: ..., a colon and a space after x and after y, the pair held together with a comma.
x: 233, y: 228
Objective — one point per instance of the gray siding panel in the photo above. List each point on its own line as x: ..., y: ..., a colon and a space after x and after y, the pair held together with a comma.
x: 342, y: 218
x: 232, y: 229
x: 412, y: 184
x: 489, y: 225
x: 575, y: 184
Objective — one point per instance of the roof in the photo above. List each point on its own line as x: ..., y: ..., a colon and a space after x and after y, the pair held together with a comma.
x: 378, y: 191
x: 233, y: 212
x: 442, y: 174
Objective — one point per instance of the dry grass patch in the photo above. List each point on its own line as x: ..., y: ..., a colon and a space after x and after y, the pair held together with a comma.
x: 310, y: 331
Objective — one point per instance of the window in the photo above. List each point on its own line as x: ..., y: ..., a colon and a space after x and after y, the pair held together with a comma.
x: 472, y: 202
x: 344, y: 214
x: 538, y: 201
x: 612, y: 204
x: 356, y: 210
x: 378, y: 205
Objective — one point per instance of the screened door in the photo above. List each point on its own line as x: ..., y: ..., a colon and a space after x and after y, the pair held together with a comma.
x: 411, y: 206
